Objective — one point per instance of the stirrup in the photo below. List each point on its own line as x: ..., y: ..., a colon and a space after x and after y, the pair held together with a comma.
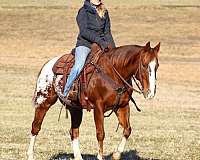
x: 65, y: 99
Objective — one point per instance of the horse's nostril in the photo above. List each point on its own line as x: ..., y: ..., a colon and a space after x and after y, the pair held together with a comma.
x: 146, y: 94
x: 155, y: 89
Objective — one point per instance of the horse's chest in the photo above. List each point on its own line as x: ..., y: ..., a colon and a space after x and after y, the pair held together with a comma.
x: 117, y: 101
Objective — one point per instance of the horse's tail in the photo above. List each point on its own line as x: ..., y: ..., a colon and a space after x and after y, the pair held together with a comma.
x: 44, y: 82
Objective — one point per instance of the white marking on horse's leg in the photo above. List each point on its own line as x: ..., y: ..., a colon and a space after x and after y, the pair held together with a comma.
x: 31, y: 148
x: 152, y: 79
x: 122, y: 145
x: 76, y: 149
x: 117, y: 154
x: 99, y: 157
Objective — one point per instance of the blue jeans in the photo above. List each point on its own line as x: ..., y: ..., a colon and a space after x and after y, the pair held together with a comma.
x: 81, y: 54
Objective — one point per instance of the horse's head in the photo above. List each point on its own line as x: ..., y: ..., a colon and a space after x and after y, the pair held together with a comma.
x: 148, y: 65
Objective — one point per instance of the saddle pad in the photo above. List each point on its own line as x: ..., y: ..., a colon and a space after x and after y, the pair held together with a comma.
x: 63, y: 64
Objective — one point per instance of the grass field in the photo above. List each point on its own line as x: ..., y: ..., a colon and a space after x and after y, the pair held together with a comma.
x: 168, y: 128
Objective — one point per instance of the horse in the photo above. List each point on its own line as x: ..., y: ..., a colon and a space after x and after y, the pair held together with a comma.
x: 110, y: 88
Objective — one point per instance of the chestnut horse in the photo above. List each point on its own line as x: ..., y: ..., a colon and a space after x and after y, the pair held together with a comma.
x: 112, y: 79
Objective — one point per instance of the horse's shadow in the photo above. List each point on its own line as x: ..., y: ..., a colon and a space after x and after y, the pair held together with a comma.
x: 129, y: 155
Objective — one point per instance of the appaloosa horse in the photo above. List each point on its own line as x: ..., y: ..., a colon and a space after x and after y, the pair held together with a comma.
x: 115, y: 69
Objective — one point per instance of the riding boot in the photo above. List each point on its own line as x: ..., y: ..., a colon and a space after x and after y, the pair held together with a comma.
x: 64, y: 98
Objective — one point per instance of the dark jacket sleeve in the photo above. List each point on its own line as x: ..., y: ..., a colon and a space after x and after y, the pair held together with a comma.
x: 107, y: 30
x: 84, y: 31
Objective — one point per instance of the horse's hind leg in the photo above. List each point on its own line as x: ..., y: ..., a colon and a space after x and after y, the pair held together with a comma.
x: 40, y: 112
x: 76, y: 119
x: 123, y: 115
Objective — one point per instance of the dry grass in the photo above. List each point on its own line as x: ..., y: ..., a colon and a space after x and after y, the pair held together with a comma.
x: 169, y: 125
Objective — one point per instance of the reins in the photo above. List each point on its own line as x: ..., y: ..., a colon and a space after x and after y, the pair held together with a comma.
x: 119, y: 75
x: 138, y: 71
x: 121, y: 90
x: 131, y: 98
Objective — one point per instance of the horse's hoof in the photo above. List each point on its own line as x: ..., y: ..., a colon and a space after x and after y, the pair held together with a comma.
x: 116, y: 155
x: 30, y: 158
x: 78, y: 158
x: 99, y: 157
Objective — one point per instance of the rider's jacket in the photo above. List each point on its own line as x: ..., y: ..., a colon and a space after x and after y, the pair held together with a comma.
x: 92, y: 28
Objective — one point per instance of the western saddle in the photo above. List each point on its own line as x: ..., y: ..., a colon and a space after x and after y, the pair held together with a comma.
x: 63, y: 67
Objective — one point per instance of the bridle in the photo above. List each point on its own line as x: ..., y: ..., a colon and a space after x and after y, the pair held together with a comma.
x: 138, y: 71
x: 121, y: 90
x: 122, y: 79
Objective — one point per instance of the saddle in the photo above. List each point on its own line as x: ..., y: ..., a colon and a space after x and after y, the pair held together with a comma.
x: 63, y: 67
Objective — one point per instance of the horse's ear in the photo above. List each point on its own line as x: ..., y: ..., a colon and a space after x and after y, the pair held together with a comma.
x: 147, y: 46
x: 157, y: 47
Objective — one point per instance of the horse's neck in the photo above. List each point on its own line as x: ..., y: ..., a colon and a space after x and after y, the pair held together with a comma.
x: 126, y: 61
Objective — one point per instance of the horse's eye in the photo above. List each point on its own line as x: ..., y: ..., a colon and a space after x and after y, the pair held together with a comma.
x: 145, y: 66
x: 149, y: 69
x: 157, y: 66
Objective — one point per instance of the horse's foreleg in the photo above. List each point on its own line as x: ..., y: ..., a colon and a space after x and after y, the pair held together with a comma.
x: 123, y: 115
x: 76, y: 119
x: 40, y: 112
x: 100, y: 134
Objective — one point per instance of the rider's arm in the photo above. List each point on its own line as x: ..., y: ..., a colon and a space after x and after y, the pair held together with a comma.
x: 107, y: 30
x: 84, y: 31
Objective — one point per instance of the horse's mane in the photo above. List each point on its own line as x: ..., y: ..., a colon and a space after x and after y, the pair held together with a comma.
x: 123, y: 54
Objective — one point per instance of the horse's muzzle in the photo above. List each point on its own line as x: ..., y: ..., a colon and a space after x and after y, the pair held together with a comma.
x: 148, y: 94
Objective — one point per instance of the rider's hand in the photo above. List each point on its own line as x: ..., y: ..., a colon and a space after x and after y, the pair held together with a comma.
x: 104, y: 45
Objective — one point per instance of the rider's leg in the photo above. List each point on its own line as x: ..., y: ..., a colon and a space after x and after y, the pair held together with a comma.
x: 81, y: 54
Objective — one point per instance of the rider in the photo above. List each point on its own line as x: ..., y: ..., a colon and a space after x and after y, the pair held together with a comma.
x: 94, y: 26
